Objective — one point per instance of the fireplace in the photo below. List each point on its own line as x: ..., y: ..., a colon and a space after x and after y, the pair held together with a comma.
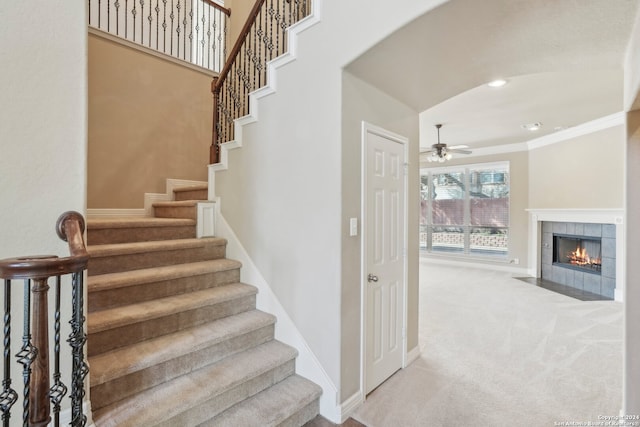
x: 578, y: 253
x: 604, y: 224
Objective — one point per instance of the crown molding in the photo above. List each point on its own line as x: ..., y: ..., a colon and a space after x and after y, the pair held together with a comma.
x: 554, y: 138
x: 576, y: 131
x: 498, y: 149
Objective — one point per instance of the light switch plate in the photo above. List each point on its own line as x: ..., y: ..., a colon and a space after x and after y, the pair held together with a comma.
x: 353, y: 226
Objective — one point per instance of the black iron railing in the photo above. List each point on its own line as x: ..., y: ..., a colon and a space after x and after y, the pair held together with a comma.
x: 191, y: 30
x: 41, y: 401
x: 262, y: 39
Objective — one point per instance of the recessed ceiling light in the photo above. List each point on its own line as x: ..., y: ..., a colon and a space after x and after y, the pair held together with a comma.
x: 497, y: 83
x: 532, y: 126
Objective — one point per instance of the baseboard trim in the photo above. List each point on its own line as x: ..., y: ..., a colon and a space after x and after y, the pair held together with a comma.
x: 307, y: 365
x: 350, y: 405
x: 412, y: 356
x: 521, y: 271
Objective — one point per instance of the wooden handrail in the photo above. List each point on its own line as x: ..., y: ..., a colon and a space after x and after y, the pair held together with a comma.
x: 34, y: 354
x: 238, y: 45
x: 225, y: 10
x: 70, y: 227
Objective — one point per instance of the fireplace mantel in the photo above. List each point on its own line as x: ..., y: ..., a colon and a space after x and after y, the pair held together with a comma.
x: 603, y: 216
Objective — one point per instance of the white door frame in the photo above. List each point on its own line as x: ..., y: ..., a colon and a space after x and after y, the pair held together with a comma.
x: 366, y: 129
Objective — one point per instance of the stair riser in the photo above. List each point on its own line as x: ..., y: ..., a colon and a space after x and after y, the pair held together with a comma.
x: 121, y: 388
x: 217, y: 404
x: 100, y: 342
x: 106, y: 236
x: 135, y: 261
x: 189, y: 212
x: 149, y: 291
x: 191, y: 195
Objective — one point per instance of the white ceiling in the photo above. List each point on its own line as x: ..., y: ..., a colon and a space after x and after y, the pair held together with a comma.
x: 563, y: 60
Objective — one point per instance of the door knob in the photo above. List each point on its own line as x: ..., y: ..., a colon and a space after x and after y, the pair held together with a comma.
x: 372, y: 278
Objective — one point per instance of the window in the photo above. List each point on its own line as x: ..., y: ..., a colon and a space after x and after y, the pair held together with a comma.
x: 465, y: 210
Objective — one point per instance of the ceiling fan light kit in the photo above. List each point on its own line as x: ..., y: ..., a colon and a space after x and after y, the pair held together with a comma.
x: 441, y: 153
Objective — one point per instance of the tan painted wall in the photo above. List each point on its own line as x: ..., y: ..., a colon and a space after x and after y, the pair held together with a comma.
x: 149, y: 119
x: 239, y: 11
x: 518, y: 200
x: 584, y: 172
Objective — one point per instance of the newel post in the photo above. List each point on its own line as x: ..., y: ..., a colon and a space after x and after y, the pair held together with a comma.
x: 215, y: 148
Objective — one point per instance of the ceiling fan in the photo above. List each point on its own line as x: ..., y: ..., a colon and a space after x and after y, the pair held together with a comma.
x: 441, y: 152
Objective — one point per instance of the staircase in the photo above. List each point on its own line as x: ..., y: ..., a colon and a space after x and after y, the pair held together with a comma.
x: 174, y: 337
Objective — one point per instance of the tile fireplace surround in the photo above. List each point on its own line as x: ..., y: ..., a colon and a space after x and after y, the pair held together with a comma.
x: 608, y: 221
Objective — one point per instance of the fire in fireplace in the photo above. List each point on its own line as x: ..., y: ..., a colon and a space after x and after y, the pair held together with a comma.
x: 577, y: 252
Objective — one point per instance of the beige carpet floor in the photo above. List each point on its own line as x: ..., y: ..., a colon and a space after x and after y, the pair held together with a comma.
x: 496, y: 351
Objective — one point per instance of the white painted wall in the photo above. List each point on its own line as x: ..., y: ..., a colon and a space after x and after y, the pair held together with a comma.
x: 282, y: 192
x: 43, y: 134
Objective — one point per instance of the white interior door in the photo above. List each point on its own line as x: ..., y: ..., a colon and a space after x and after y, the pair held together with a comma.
x: 384, y: 259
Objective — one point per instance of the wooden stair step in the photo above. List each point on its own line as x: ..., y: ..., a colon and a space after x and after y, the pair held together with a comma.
x: 102, y: 231
x: 291, y: 402
x: 128, y: 287
x: 196, y: 397
x: 119, y: 257
x: 132, y: 369
x: 125, y: 325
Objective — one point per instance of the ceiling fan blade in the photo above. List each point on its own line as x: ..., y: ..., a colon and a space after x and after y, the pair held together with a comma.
x: 428, y: 151
x: 458, y: 150
x: 456, y: 147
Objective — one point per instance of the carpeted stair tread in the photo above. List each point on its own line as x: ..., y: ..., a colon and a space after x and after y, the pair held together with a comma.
x: 149, y: 275
x: 276, y: 406
x: 164, y: 403
x: 135, y: 313
x: 154, y: 246
x: 123, y: 361
x: 115, y: 230
x: 135, y: 222
x: 176, y: 203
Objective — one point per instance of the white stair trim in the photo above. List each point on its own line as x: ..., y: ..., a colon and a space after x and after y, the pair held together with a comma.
x: 170, y: 185
x: 205, y: 224
x: 206, y: 219
x: 307, y: 365
x: 269, y: 88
